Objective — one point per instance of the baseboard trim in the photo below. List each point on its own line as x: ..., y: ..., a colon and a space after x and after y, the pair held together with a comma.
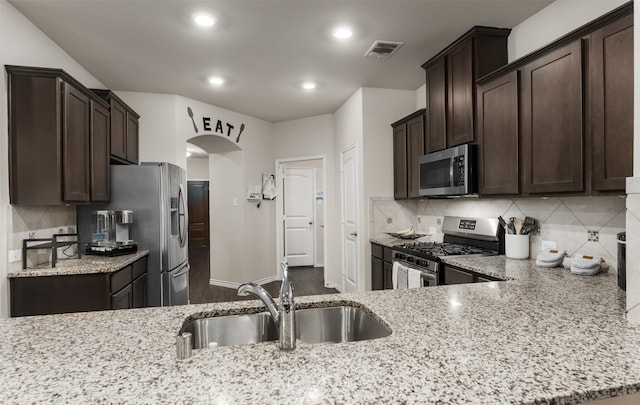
x: 229, y: 284
x: 334, y: 285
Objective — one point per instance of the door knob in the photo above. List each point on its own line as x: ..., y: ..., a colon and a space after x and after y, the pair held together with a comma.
x: 354, y: 233
x: 310, y: 222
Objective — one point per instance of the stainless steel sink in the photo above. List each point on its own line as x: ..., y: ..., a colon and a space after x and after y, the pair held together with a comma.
x: 314, y: 325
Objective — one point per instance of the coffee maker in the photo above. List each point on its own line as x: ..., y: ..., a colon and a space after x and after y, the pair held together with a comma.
x: 110, y: 233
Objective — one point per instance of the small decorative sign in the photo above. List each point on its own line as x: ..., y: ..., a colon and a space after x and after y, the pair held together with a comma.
x: 221, y: 127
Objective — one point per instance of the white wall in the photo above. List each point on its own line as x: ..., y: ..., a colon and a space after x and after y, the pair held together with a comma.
x: 21, y: 43
x: 381, y: 107
x: 157, y: 127
x: 421, y: 97
x: 313, y: 136
x: 555, y: 20
x: 198, y: 168
x: 348, y: 129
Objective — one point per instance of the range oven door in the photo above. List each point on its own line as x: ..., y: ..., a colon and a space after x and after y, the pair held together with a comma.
x: 429, y: 279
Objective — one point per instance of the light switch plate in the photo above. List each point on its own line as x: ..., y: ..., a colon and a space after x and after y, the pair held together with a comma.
x: 14, y: 255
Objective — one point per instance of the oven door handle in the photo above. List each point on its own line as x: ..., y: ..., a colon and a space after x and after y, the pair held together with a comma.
x: 430, y: 278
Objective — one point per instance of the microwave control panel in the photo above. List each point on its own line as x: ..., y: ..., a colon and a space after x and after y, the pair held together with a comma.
x: 458, y: 170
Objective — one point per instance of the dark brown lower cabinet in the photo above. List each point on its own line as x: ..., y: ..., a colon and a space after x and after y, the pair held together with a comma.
x: 457, y: 275
x: 123, y: 299
x: 125, y: 288
x: 381, y: 267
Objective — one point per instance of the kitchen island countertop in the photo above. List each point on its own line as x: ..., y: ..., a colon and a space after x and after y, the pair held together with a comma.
x: 546, y: 337
x: 87, y: 264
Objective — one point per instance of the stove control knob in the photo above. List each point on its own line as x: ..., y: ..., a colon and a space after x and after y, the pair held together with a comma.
x: 421, y: 262
x: 410, y: 259
x: 400, y: 256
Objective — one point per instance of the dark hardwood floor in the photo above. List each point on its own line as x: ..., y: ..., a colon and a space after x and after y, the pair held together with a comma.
x: 306, y: 281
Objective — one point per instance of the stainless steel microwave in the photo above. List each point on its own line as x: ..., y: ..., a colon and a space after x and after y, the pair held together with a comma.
x: 449, y: 172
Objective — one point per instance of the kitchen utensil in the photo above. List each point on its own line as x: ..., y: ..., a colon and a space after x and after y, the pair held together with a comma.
x: 530, y: 224
x: 240, y: 133
x: 502, y: 222
x: 511, y: 226
x: 518, y: 225
x: 195, y: 127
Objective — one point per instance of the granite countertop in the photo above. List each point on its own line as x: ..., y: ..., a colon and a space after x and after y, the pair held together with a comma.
x: 391, y: 241
x: 546, y: 337
x: 87, y: 264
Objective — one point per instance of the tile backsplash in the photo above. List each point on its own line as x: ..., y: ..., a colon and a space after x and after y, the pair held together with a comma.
x: 40, y: 222
x: 566, y: 220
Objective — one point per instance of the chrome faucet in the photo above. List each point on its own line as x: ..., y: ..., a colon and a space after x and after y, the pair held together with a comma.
x: 283, y: 314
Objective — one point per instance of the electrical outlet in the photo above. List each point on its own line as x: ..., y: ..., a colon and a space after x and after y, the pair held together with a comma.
x: 389, y: 220
x: 419, y: 220
x: 438, y: 221
x: 14, y: 255
x: 594, y: 236
x: 32, y: 235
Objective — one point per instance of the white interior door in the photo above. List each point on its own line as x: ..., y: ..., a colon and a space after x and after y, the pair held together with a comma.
x: 350, y: 220
x: 298, y: 216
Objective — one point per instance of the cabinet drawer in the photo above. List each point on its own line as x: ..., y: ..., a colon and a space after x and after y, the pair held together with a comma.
x: 139, y: 292
x: 139, y: 268
x: 377, y: 251
x: 122, y: 299
x: 120, y: 279
x: 453, y: 275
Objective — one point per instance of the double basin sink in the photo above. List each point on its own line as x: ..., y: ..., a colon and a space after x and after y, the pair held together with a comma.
x: 337, y: 324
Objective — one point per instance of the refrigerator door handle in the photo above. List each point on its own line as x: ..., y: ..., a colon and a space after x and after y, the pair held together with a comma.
x: 182, y: 218
x: 186, y: 269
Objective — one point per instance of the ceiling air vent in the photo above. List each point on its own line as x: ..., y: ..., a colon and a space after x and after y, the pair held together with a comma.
x: 383, y: 49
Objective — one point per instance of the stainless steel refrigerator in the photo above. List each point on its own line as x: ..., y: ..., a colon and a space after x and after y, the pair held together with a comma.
x: 156, y: 192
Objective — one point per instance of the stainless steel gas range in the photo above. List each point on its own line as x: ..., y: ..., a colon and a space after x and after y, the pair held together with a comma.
x: 468, y: 237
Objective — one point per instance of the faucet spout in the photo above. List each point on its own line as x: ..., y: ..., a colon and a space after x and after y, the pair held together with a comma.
x: 267, y: 299
x: 284, y: 314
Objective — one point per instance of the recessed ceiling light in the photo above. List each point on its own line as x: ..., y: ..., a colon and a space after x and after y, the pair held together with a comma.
x: 216, y: 80
x: 308, y: 85
x: 204, y: 20
x: 342, y: 33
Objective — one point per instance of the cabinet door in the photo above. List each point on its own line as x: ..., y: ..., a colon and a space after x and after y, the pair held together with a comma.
x: 400, y: 162
x: 388, y: 276
x: 498, y: 135
x: 454, y: 275
x: 75, y: 145
x: 118, y: 130
x: 415, y: 149
x: 132, y: 138
x: 139, y: 292
x: 552, y: 122
x: 460, y: 86
x: 611, y: 71
x: 377, y: 274
x: 436, y: 125
x: 123, y: 299
x: 100, y: 168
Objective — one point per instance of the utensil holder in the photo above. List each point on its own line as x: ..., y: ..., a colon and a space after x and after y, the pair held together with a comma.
x: 516, y: 246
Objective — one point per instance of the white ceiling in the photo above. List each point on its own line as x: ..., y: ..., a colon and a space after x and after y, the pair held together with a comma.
x: 264, y: 48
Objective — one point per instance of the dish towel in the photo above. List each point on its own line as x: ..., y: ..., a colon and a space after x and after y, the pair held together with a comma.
x: 399, y: 276
x: 413, y: 278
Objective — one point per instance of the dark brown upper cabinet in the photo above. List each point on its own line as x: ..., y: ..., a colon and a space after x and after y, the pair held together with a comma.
x: 50, y: 138
x: 100, y: 173
x: 450, y: 85
x: 552, y: 122
x: 408, y: 146
x: 498, y: 135
x: 611, y: 78
x: 124, y: 129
